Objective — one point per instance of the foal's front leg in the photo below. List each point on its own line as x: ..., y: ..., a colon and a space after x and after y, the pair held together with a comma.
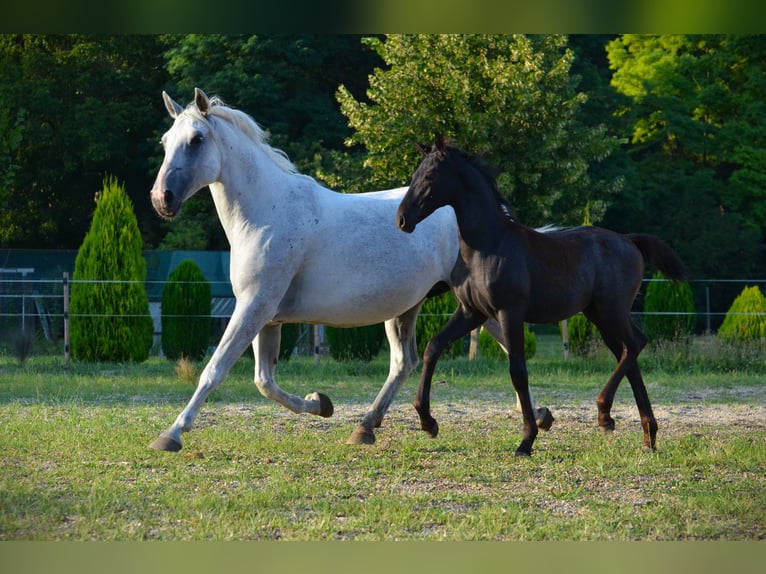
x: 460, y: 324
x: 513, y: 328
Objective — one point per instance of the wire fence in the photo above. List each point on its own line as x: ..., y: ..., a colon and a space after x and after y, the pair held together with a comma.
x: 42, y: 305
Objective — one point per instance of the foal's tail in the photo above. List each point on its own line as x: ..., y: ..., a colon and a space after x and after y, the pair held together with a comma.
x: 659, y: 255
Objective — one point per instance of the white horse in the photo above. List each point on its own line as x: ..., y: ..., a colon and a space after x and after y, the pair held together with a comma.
x: 299, y: 253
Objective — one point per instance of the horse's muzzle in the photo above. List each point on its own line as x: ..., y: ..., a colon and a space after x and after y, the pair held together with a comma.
x: 165, y: 203
x: 403, y: 223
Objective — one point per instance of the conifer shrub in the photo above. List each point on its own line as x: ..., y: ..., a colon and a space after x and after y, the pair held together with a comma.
x: 433, y: 315
x: 745, y: 320
x: 492, y: 350
x: 186, y: 305
x: 355, y: 343
x: 109, y: 308
x: 583, y: 335
x: 668, y: 297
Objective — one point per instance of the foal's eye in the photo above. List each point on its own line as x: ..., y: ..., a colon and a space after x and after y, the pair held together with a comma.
x: 197, y: 139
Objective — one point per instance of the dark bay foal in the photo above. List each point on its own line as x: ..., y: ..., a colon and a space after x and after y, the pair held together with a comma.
x: 512, y: 273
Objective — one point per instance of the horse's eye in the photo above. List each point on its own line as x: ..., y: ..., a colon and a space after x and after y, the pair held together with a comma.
x: 197, y: 139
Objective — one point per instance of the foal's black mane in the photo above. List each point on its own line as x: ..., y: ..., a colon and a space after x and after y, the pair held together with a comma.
x: 489, y: 173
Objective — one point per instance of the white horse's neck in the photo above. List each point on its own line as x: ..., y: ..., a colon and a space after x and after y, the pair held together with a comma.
x: 251, y: 185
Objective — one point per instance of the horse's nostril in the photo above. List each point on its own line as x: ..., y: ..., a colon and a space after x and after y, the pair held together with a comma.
x: 402, y: 222
x: 168, y: 196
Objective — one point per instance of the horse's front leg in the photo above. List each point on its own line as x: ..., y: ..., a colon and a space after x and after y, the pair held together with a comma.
x: 266, y: 350
x: 462, y: 322
x: 238, y: 334
x: 513, y: 329
x: 543, y: 415
x: 400, y: 332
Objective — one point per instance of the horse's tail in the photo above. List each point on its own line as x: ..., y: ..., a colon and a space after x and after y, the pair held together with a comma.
x: 659, y: 255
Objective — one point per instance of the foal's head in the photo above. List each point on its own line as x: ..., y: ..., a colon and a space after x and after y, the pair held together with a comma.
x: 433, y: 185
x: 192, y: 158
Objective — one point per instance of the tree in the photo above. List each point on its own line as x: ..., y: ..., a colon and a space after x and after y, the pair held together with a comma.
x: 90, y: 104
x: 109, y: 307
x: 510, y: 98
x: 697, y: 131
x: 746, y: 318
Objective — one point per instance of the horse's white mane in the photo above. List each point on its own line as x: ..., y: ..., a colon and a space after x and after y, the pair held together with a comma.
x: 250, y: 128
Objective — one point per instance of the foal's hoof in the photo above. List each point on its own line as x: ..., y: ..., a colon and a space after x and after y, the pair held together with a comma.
x: 544, y: 418
x: 325, y: 404
x: 432, y: 429
x: 166, y: 443
x: 361, y: 435
x: 522, y: 454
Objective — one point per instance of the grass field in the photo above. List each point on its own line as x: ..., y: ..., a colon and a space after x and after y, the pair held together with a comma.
x: 76, y: 465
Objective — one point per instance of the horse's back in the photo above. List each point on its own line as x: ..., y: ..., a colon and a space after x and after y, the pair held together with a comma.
x: 360, y: 269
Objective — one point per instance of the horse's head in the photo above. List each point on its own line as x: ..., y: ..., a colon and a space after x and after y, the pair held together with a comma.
x: 192, y: 158
x: 430, y: 188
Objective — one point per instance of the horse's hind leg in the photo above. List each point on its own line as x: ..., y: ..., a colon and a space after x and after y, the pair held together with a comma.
x: 266, y: 351
x: 400, y: 332
x: 543, y: 415
x: 460, y: 324
x: 648, y: 422
x: 626, y: 354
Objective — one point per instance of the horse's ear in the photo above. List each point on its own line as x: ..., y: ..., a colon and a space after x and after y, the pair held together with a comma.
x: 174, y: 109
x: 201, y: 101
x: 439, y: 141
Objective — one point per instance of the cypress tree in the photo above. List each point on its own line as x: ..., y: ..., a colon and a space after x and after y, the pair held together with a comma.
x: 360, y: 343
x: 433, y: 315
x: 668, y: 297
x: 186, y: 304
x: 109, y: 308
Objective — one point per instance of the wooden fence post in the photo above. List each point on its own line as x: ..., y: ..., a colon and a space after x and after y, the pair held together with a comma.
x: 66, y: 317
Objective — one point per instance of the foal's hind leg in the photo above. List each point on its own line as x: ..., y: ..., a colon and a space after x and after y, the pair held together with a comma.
x: 460, y: 324
x: 627, y: 356
x: 400, y: 332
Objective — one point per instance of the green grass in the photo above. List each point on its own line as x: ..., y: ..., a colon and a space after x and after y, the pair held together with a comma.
x: 76, y: 465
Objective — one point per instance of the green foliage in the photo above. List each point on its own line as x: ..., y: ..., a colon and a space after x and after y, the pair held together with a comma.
x: 109, y: 308
x: 433, y: 315
x: 355, y: 343
x: 186, y: 304
x: 583, y: 334
x: 492, y: 350
x: 508, y: 97
x: 746, y: 318
x: 694, y: 113
x: 668, y: 297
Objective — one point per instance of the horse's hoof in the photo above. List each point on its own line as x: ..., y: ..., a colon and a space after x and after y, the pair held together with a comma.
x: 361, y: 435
x: 522, y: 454
x: 166, y: 443
x: 432, y: 429
x: 544, y: 418
x: 325, y: 404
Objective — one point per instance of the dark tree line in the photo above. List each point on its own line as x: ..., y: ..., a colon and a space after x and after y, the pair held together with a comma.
x: 663, y: 134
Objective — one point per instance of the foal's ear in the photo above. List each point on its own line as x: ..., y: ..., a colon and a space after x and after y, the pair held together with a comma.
x: 424, y: 149
x: 439, y: 141
x: 174, y: 109
x: 201, y: 101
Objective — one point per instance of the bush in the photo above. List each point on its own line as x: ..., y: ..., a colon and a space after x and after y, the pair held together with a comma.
x: 583, y: 335
x: 433, y: 315
x: 666, y: 297
x: 186, y: 304
x: 492, y: 350
x: 355, y: 343
x: 109, y: 308
x: 746, y: 318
